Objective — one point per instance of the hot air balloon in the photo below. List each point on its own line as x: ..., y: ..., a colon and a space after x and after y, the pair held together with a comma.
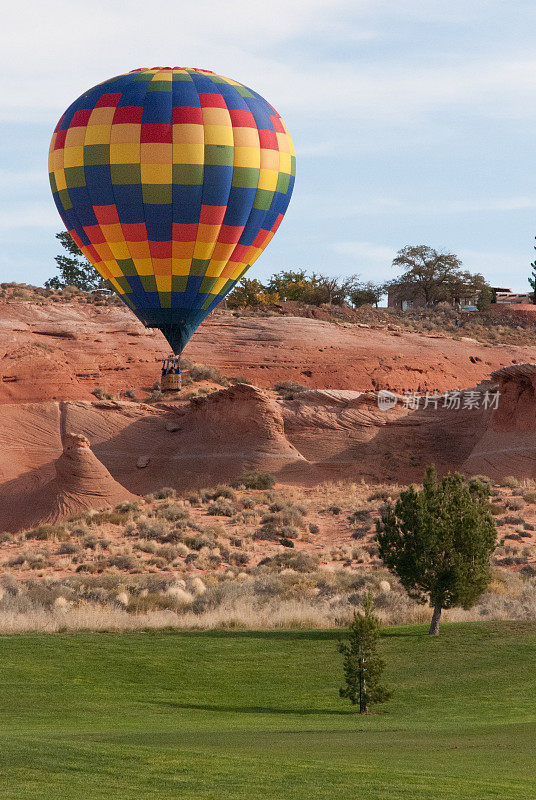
x: 171, y: 181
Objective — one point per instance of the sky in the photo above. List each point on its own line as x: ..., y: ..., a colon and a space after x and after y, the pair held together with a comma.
x: 413, y: 120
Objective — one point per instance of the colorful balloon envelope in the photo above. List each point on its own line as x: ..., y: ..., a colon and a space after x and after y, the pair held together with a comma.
x: 171, y: 181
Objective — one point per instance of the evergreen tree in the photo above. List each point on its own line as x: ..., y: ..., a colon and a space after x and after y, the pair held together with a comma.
x: 362, y: 665
x: 75, y: 269
x: 532, y: 279
x: 485, y: 299
x: 439, y: 541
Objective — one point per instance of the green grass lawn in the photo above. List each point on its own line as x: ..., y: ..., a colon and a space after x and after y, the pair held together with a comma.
x: 214, y: 715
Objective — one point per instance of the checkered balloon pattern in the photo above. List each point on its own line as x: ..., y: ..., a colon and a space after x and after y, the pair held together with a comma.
x: 171, y: 181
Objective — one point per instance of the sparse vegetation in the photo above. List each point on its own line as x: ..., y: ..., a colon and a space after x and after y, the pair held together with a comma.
x: 255, y: 480
x: 289, y: 389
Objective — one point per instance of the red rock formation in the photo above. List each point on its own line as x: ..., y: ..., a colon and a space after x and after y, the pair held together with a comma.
x: 508, y: 446
x: 63, y: 351
x: 81, y: 483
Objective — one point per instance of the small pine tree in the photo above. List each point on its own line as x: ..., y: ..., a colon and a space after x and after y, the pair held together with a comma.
x: 439, y: 541
x: 485, y: 299
x: 75, y: 269
x: 532, y: 279
x: 363, y: 667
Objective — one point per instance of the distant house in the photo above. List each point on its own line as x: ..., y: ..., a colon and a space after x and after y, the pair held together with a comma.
x: 399, y: 296
x: 507, y: 296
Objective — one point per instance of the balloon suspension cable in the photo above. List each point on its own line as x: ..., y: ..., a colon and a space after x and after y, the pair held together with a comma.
x: 171, y: 380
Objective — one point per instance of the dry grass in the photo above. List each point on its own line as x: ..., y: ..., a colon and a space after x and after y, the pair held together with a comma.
x: 273, y: 595
x: 224, y: 557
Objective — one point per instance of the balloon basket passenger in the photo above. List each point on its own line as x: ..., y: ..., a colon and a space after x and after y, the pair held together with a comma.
x: 171, y: 380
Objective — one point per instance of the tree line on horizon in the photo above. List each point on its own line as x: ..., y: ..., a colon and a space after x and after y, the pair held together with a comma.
x: 427, y: 273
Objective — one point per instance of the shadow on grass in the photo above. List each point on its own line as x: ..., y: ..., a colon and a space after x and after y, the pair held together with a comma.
x: 302, y: 712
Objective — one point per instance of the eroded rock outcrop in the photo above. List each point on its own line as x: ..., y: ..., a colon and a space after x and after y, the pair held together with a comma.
x: 80, y: 483
x: 508, y: 446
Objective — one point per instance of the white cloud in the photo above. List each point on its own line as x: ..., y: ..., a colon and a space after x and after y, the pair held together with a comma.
x: 51, y: 50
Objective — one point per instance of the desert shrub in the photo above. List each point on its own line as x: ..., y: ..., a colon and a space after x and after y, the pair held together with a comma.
x: 360, y: 515
x: 158, y: 562
x: 485, y: 480
x: 238, y: 559
x: 174, y: 536
x: 298, y: 561
x: 204, y: 539
x: 224, y: 491
x: 200, y: 372
x: 5, y: 537
x: 125, y: 508
x: 44, y: 532
x: 87, y: 567
x: 289, y: 532
x: 152, y: 601
x: 239, y: 379
x: 515, y: 503
x: 147, y: 546
x: 68, y: 549
x: 267, y: 534
x: 289, y: 515
x: 101, y: 394
x: 335, y: 510
x: 165, y: 493
x: 90, y: 542
x: 361, y: 532
x: 173, y: 513
x: 510, y: 482
x: 248, y: 516
x: 289, y: 389
x: 528, y: 526
x: 221, y: 508
x: 123, y: 562
x: 111, y: 517
x: 495, y: 509
x: 511, y: 519
x: 529, y: 497
x: 313, y: 528
x: 193, y: 498
x: 380, y: 494
x: 150, y: 529
x: 274, y: 530
x: 255, y: 480
x: 248, y: 502
x: 16, y: 561
x: 168, y: 553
